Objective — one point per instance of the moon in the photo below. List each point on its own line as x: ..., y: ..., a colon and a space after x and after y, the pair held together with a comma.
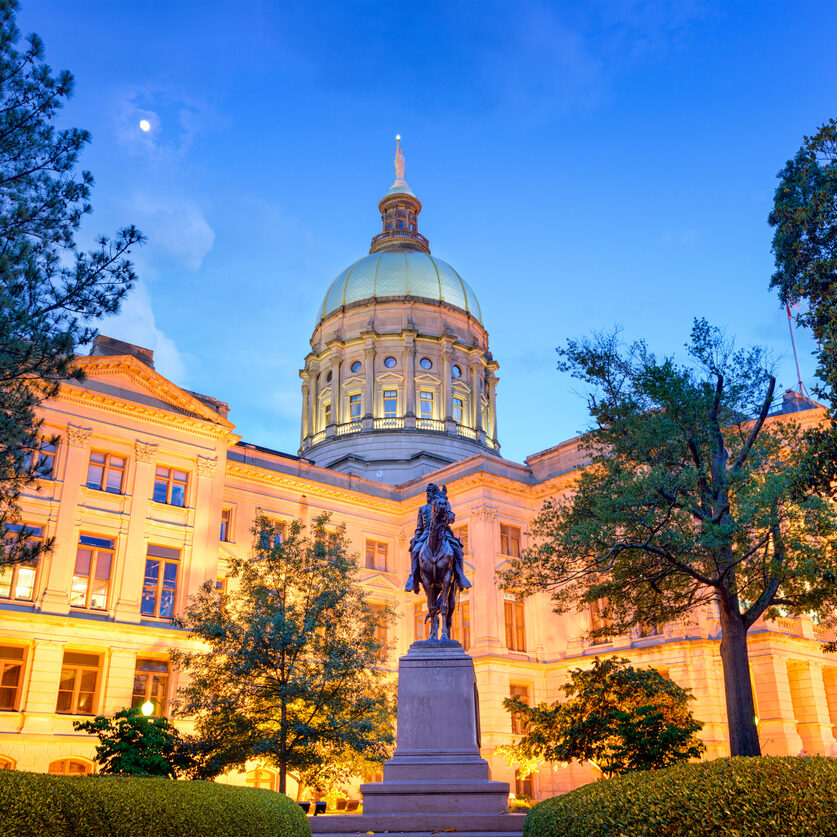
x: 145, y: 125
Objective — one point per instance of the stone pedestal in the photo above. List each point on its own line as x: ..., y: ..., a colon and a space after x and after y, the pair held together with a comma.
x: 437, y: 767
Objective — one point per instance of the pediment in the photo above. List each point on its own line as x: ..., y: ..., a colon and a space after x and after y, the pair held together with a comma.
x: 393, y: 377
x: 125, y: 378
x: 380, y: 581
x: 432, y: 380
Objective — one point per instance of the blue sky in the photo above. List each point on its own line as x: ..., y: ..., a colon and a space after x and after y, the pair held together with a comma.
x: 580, y: 165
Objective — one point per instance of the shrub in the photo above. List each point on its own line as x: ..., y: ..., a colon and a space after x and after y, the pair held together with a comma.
x: 40, y: 805
x: 746, y: 797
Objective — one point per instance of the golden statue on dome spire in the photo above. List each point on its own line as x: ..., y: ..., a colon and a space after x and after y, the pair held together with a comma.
x: 399, y: 165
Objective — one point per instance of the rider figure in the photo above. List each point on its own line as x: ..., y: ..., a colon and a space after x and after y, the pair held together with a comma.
x: 422, y: 531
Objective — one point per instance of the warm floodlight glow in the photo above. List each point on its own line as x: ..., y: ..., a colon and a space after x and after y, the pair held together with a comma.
x: 147, y: 708
x: 145, y: 125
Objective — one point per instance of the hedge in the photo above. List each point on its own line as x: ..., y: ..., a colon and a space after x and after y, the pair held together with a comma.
x: 40, y: 805
x: 744, y: 797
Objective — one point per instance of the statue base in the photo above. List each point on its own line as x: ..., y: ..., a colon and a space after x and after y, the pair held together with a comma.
x: 437, y: 768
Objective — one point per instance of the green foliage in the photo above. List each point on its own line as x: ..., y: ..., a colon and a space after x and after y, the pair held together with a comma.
x: 736, y: 797
x: 617, y: 717
x: 692, y: 499
x: 134, y: 745
x: 40, y: 805
x: 50, y: 292
x: 292, y: 675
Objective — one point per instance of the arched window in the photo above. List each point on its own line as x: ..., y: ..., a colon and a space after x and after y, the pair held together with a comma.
x: 70, y: 767
x: 6, y: 763
x: 261, y: 778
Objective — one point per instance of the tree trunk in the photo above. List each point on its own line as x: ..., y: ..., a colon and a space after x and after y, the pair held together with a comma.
x: 283, y: 743
x: 741, y: 711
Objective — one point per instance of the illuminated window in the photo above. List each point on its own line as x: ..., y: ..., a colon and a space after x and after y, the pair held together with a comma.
x: 355, y: 406
x: 509, y: 540
x: 523, y: 788
x: 421, y: 628
x: 426, y: 405
x: 379, y: 612
x: 461, y: 532
x: 261, y: 778
x: 515, y: 625
x: 226, y: 525
x: 160, y: 583
x: 221, y: 584
x: 6, y: 763
x: 17, y: 581
x: 170, y: 486
x: 461, y: 625
x: 376, y: 555
x: 91, y: 577
x: 458, y: 410
x: 12, y: 660
x: 45, y: 464
x: 78, y: 684
x: 327, y: 413
x: 151, y: 683
x: 599, y: 620
x: 105, y: 472
x: 70, y: 767
x: 390, y: 403
x: 518, y: 727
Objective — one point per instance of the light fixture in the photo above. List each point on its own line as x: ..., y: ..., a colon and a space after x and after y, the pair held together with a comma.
x: 147, y: 708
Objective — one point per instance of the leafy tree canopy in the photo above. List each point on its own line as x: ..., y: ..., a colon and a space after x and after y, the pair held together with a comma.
x: 131, y: 744
x: 615, y: 716
x: 292, y: 673
x: 51, y: 291
x: 691, y: 500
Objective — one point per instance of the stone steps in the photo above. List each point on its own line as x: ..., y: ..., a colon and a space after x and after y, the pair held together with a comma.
x: 419, y: 825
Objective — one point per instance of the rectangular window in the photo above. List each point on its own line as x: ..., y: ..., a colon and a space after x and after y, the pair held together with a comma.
x: 327, y: 414
x: 390, y: 403
x: 376, y: 555
x: 105, y: 472
x: 160, y: 583
x: 17, y: 581
x: 421, y: 628
x: 221, y: 584
x: 78, y: 684
x: 355, y: 406
x: 379, y: 612
x: 426, y: 405
x: 91, y: 578
x: 509, y: 540
x: 519, y: 691
x: 458, y: 410
x: 11, y: 676
x: 515, y: 625
x: 599, y: 620
x: 523, y: 788
x: 151, y: 683
x: 45, y: 464
x: 273, y: 535
x: 226, y: 525
x: 461, y: 532
x: 461, y: 627
x: 170, y: 486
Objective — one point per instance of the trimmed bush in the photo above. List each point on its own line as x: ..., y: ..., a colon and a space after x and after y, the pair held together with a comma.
x: 40, y: 805
x: 745, y: 797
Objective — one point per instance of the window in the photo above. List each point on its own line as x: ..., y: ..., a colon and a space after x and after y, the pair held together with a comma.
x: 221, y: 584
x: 515, y: 625
x: 170, y: 486
x: 426, y: 363
x: 390, y: 403
x: 327, y: 413
x: 78, y: 684
x: 421, y: 628
x: 461, y: 532
x: 461, y: 626
x: 599, y: 620
x: 91, y: 578
x: 45, y: 465
x: 390, y: 362
x: 160, y: 583
x: 151, y: 683
x: 509, y: 540
x: 226, y: 525
x: 426, y: 405
x: 376, y: 555
x: 355, y: 406
x: 458, y: 410
x: 17, y: 581
x: 6, y: 763
x: 379, y: 612
x: 523, y: 787
x: 273, y: 535
x: 261, y: 778
x: 105, y: 472
x: 70, y: 767
x: 11, y: 676
x: 518, y: 727
x: 356, y: 366
x: 456, y: 371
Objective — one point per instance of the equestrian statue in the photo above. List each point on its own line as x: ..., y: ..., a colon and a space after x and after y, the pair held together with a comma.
x: 436, y: 555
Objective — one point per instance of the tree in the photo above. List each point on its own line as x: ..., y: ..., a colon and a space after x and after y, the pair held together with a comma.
x: 691, y: 500
x: 804, y: 216
x: 51, y: 292
x: 130, y: 744
x: 292, y: 672
x: 615, y: 716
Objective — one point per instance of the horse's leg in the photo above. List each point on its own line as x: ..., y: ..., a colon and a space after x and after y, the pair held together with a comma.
x: 451, y: 604
x: 444, y: 604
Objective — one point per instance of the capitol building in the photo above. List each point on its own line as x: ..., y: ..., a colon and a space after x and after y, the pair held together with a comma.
x: 152, y: 491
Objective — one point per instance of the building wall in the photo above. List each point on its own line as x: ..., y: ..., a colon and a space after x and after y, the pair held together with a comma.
x: 126, y: 409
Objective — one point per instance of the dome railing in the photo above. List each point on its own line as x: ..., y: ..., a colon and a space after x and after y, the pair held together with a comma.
x: 411, y: 234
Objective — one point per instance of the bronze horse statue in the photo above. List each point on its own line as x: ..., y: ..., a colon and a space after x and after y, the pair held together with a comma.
x: 436, y: 562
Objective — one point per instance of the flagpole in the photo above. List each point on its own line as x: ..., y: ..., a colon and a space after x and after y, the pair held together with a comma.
x: 801, y: 389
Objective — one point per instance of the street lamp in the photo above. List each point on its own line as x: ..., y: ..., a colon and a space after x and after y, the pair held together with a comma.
x: 147, y: 708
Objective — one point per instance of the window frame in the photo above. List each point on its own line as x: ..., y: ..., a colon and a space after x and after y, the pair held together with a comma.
x: 381, y: 629
x: 458, y: 407
x: 515, y: 628
x: 427, y: 396
x: 508, y: 538
x: 95, y: 550
x: 148, y: 692
x: 170, y: 483
x: 47, y: 451
x: 389, y: 395
x: 88, y: 767
x: 14, y: 569
x: 375, y: 552
x: 80, y: 669
x: 355, y: 400
x: 6, y: 663
x: 521, y: 690
x: 106, y: 468
x: 226, y: 525
x: 163, y: 561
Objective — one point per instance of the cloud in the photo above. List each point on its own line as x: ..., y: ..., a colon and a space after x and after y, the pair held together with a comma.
x: 135, y: 324
x: 176, y: 225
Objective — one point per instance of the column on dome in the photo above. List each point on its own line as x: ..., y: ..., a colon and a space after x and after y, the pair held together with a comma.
x: 476, y: 399
x: 492, y: 400
x: 410, y: 380
x: 305, y: 431
x: 369, y: 395
x: 447, y: 388
x: 313, y: 377
x: 336, y: 394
